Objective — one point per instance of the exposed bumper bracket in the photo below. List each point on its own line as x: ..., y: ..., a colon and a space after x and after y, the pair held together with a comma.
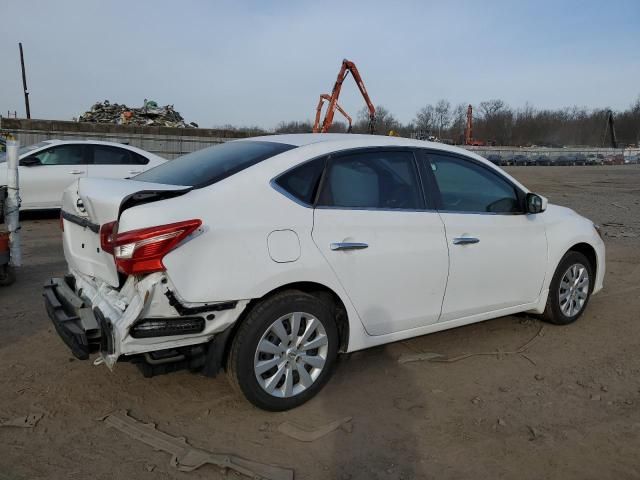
x: 71, y: 319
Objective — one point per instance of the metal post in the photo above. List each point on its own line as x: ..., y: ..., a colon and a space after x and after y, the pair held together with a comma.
x: 12, y: 205
x: 24, y: 83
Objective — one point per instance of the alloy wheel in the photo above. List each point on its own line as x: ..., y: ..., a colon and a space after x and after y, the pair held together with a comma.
x: 291, y: 354
x: 574, y: 289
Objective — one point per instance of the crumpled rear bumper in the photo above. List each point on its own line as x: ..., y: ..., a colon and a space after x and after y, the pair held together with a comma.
x: 74, y: 321
x: 143, y: 316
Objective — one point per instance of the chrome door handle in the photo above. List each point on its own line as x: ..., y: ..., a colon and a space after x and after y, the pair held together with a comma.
x: 465, y: 240
x: 348, y: 246
x: 76, y: 172
x: 133, y: 172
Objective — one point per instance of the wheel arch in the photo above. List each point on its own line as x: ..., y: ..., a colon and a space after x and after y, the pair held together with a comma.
x: 319, y: 290
x: 588, y: 251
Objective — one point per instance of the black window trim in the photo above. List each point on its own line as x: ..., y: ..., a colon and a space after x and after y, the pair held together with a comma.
x: 427, y: 199
x: 433, y: 184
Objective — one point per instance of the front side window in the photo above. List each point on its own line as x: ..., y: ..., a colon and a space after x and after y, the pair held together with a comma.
x: 466, y: 186
x: 62, y: 155
x: 373, y: 180
x: 212, y: 164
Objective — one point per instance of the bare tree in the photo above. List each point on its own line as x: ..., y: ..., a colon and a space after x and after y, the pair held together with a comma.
x: 425, y: 119
x: 443, y: 115
x: 491, y: 107
x: 458, y: 123
x: 385, y: 121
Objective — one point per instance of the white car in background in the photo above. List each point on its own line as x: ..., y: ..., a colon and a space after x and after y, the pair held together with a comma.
x: 268, y: 256
x: 48, y: 167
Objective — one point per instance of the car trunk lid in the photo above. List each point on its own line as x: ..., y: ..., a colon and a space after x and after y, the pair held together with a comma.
x: 92, y: 202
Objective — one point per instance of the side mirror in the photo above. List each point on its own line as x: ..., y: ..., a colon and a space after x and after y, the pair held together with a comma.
x: 30, y: 162
x: 535, y: 203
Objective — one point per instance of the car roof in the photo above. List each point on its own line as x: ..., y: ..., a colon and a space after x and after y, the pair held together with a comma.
x: 55, y: 141
x: 344, y: 139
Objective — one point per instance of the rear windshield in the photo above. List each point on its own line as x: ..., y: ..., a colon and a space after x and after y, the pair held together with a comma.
x: 210, y: 165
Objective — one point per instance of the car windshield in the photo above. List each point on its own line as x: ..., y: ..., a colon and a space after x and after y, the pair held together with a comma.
x: 23, y: 150
x: 210, y: 165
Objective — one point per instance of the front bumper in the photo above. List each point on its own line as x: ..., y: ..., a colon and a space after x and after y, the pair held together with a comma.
x: 74, y: 321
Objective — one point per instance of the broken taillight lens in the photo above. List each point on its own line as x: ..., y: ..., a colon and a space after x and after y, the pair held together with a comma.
x: 141, y: 251
x: 108, y: 232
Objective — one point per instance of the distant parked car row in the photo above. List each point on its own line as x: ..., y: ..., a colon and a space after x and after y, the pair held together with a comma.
x: 568, y: 159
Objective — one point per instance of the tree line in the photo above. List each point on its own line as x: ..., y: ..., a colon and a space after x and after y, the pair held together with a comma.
x: 494, y: 122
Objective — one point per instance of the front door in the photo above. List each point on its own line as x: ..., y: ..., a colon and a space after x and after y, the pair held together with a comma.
x: 497, y: 252
x: 386, y: 248
x: 42, y: 183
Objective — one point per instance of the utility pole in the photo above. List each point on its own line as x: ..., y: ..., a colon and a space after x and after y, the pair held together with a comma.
x: 24, y: 83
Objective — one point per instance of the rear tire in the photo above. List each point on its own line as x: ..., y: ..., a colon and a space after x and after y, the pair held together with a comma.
x: 284, y: 351
x: 570, y: 289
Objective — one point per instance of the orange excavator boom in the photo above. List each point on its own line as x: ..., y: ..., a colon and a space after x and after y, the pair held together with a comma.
x: 346, y: 68
x: 325, y: 97
x: 468, y: 132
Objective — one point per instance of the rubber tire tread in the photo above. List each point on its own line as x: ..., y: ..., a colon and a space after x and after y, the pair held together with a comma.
x: 552, y: 313
x: 240, y: 360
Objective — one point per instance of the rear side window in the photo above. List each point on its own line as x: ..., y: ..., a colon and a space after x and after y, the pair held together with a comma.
x: 374, y: 180
x: 302, y: 182
x: 105, y: 155
x: 210, y: 165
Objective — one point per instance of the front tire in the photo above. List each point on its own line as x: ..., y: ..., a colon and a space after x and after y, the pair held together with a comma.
x: 570, y: 289
x: 284, y: 351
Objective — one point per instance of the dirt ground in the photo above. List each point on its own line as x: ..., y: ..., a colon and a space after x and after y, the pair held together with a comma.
x: 568, y: 408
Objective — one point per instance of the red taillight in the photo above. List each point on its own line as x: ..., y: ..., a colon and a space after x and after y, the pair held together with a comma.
x: 61, y: 221
x: 141, y: 251
x: 107, y: 236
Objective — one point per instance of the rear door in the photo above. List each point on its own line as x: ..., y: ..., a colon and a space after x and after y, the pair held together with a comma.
x: 109, y: 161
x: 497, y: 252
x: 42, y: 184
x: 385, y: 246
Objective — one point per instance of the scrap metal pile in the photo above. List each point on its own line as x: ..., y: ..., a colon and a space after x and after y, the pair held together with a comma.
x: 150, y: 114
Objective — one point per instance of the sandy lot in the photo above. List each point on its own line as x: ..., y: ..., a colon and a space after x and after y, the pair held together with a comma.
x: 569, y: 408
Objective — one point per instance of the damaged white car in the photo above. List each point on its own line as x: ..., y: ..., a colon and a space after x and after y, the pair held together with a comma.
x: 267, y: 257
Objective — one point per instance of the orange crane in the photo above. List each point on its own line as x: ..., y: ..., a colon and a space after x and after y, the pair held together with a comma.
x: 347, y: 67
x: 468, y: 131
x: 326, y: 97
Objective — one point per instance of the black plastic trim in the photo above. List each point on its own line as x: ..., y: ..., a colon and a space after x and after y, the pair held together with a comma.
x: 66, y: 322
x: 184, y: 311
x: 83, y: 222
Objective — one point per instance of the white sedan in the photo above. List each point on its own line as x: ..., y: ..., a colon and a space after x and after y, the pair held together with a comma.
x: 48, y: 167
x: 267, y: 257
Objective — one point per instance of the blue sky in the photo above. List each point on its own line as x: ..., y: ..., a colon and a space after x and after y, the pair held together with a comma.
x: 258, y: 62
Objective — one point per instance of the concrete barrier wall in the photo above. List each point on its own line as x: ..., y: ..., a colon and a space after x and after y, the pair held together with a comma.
x: 171, y: 142
x: 164, y: 141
